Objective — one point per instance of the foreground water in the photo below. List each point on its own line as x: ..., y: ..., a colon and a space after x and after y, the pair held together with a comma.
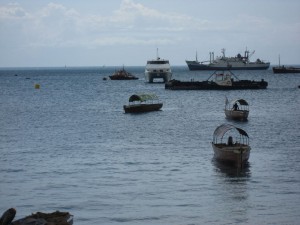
x: 69, y: 146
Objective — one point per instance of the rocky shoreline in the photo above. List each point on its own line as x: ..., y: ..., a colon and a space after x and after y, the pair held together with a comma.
x: 39, y: 218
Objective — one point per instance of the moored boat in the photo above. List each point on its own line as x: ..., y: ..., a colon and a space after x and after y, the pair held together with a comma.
x: 217, y: 81
x: 238, y: 62
x: 158, y: 69
x: 237, y: 109
x: 143, y: 102
x: 236, y: 150
x: 122, y: 74
x: 285, y: 69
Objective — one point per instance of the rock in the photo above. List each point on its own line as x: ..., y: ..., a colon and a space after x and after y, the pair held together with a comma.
x: 8, y: 216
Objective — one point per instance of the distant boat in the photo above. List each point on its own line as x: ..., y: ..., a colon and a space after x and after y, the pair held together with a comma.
x: 143, y: 102
x: 237, y: 109
x: 158, y: 69
x: 224, y: 80
x: 236, y: 150
x: 238, y: 62
x: 283, y: 69
x: 122, y: 74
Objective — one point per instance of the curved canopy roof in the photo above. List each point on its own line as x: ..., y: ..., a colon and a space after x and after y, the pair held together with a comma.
x: 221, y: 130
x: 142, y: 97
x: 240, y: 101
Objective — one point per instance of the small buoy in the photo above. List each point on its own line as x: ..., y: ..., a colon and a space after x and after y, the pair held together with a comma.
x: 104, y: 78
x: 37, y: 86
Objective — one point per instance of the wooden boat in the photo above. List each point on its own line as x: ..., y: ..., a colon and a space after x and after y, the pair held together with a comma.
x: 217, y: 81
x: 236, y: 150
x: 122, y: 75
x: 237, y: 109
x: 139, y: 103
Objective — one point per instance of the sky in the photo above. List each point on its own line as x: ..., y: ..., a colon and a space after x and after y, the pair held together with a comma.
x: 41, y: 33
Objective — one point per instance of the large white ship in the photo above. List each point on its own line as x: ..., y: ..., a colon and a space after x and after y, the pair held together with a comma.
x: 158, y: 69
x: 238, y: 62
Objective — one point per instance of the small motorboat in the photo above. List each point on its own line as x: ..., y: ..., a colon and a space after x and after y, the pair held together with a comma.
x: 122, y: 74
x: 237, y: 109
x: 231, y: 144
x: 139, y: 103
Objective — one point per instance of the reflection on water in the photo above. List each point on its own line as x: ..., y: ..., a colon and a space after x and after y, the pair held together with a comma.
x: 231, y: 171
x: 234, y: 190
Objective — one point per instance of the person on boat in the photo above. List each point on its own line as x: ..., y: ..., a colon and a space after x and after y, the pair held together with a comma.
x: 235, y: 106
x: 230, y: 141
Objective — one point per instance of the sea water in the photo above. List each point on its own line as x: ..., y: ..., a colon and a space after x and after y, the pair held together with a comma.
x: 69, y: 146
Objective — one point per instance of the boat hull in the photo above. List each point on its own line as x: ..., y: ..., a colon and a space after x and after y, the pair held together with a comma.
x: 151, y: 76
x: 123, y: 78
x: 140, y: 108
x: 210, y: 85
x: 237, y: 154
x: 194, y: 65
x: 237, y: 114
x: 286, y: 70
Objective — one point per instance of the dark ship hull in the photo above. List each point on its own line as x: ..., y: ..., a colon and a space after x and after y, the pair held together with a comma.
x: 117, y: 77
x: 210, y: 85
x: 282, y: 69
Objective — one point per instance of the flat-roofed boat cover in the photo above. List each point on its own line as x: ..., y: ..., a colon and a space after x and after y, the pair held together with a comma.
x: 142, y: 97
x: 222, y: 129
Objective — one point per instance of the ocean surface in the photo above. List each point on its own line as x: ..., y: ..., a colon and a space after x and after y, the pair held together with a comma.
x: 69, y: 146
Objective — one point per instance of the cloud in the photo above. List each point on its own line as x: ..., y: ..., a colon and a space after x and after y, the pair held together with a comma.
x: 135, y: 23
x: 57, y: 25
x: 13, y: 11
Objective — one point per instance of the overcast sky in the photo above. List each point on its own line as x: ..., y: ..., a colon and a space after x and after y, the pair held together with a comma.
x: 128, y: 32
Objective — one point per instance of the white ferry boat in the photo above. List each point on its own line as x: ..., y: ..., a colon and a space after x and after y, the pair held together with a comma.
x: 158, y: 69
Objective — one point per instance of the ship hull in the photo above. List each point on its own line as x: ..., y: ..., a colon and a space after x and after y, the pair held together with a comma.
x: 151, y: 76
x: 241, y: 115
x: 193, y: 65
x: 237, y: 154
x: 286, y: 69
x: 208, y: 85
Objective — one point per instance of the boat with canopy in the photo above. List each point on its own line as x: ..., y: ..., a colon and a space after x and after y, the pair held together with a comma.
x: 231, y: 144
x: 143, y: 102
x: 237, y: 109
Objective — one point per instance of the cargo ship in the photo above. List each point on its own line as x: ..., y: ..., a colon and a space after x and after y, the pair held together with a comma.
x: 223, y: 62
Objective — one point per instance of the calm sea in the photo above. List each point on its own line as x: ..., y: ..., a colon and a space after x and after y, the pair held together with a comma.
x: 69, y: 146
